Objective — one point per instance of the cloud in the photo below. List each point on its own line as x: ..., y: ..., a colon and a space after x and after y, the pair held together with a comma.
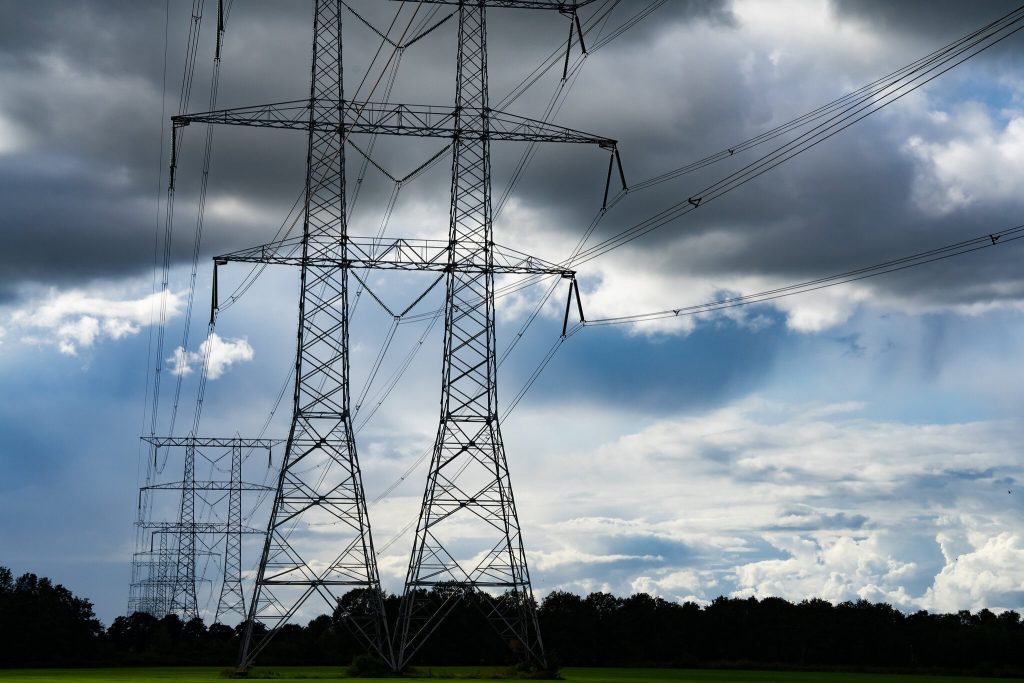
x: 981, y: 161
x: 12, y: 138
x: 88, y: 193
x: 219, y: 354
x: 764, y: 498
x: 835, y: 569
x: 801, y: 498
x: 77, y: 319
x: 988, y: 575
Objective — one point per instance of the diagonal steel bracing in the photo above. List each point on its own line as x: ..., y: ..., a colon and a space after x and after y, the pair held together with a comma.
x: 164, y: 579
x: 319, y: 508
x: 468, y: 540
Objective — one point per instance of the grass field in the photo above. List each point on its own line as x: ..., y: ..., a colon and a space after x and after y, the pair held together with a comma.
x: 448, y: 674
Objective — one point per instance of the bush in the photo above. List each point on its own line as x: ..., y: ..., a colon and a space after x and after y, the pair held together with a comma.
x: 368, y: 666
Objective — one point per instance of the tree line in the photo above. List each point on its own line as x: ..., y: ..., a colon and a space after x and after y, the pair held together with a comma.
x: 43, y: 624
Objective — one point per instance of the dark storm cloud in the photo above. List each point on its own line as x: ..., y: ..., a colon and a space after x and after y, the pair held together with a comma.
x: 846, y: 203
x: 940, y: 20
x: 84, y: 82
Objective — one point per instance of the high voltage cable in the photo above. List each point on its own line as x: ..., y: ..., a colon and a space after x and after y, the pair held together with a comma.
x: 934, y: 60
x: 200, y: 220
x: 183, y: 99
x: 922, y: 258
x: 145, y: 508
x: 798, y: 146
x: 553, y: 107
x: 367, y: 159
x: 915, y: 68
x: 882, y: 268
x: 555, y: 57
x: 968, y: 246
x: 949, y: 51
x: 254, y: 273
x: 814, y: 114
x: 191, y: 53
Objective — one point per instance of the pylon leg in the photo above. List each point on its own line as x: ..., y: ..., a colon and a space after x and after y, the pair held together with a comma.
x: 319, y: 509
x: 468, y: 538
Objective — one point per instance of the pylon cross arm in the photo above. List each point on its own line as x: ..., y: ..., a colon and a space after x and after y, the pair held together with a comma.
x: 518, y: 4
x: 210, y: 442
x: 383, y: 118
x: 400, y: 254
x: 208, y: 486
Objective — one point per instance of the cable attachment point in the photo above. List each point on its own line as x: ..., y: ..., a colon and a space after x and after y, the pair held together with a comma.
x: 174, y: 157
x: 574, y: 23
x: 573, y: 288
x: 614, y: 160
x: 220, y: 29
x: 695, y: 201
x: 994, y: 238
x: 213, y: 301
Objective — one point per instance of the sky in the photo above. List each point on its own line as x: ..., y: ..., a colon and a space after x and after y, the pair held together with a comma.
x: 861, y: 441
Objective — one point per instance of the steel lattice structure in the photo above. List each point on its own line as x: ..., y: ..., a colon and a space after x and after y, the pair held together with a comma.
x: 164, y: 577
x: 468, y: 496
x: 291, y: 568
x: 468, y: 538
x: 232, y: 597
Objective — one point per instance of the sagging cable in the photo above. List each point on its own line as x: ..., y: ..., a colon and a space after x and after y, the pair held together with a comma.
x: 371, y: 161
x: 426, y: 32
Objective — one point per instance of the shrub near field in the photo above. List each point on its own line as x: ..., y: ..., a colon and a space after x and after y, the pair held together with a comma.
x: 42, y: 624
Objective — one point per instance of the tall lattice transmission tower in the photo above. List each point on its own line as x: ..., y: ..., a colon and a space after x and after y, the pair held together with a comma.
x: 468, y: 538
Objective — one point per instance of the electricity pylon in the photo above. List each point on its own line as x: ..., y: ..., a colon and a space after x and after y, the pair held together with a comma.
x: 232, y: 597
x: 468, y: 497
x: 468, y: 537
x: 164, y: 577
x: 291, y: 568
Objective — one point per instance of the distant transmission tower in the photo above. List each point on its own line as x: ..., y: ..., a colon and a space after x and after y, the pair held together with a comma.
x: 468, y: 538
x: 164, y: 579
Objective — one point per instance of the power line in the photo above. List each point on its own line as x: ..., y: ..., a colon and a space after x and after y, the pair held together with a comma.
x: 823, y: 131
x: 845, y: 103
x: 961, y: 248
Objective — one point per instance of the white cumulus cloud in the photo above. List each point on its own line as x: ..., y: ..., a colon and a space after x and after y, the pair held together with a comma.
x: 796, y: 501
x: 218, y: 353
x: 76, y: 319
x: 990, y: 574
x: 982, y: 161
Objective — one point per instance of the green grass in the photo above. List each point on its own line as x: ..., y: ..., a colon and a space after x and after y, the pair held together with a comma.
x: 448, y: 674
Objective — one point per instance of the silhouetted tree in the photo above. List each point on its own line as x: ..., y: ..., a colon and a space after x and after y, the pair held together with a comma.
x: 43, y: 623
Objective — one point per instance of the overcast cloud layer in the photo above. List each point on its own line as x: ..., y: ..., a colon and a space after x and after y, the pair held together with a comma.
x: 860, y: 441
